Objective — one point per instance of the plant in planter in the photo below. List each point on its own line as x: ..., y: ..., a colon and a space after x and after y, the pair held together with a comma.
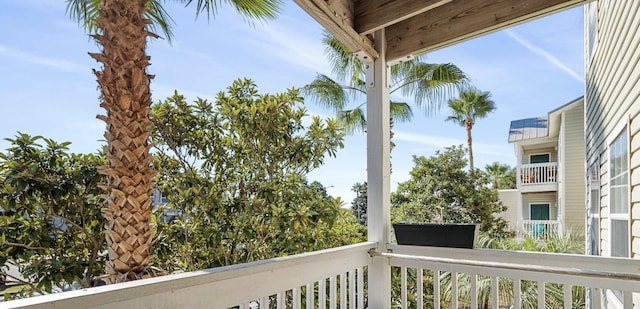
x: 436, y: 234
x: 442, y: 193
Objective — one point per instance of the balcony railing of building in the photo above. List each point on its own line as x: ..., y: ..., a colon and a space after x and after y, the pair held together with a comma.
x: 336, y: 278
x: 540, y: 228
x: 538, y: 173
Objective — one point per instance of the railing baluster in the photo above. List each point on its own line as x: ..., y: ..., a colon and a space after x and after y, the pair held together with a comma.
x: 403, y: 287
x: 597, y: 298
x: 538, y: 173
x: 279, y: 300
x: 352, y: 289
x: 419, y: 288
x: 343, y: 291
x: 436, y: 289
x: 310, y: 295
x: 627, y: 299
x: 332, y: 292
x: 541, y: 300
x: 494, y: 292
x: 454, y: 290
x: 360, y: 294
x: 568, y: 299
x: 322, y: 294
x: 296, y: 298
x: 517, y: 293
x: 474, y: 291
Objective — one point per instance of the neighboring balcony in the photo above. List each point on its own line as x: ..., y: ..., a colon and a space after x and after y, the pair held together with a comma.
x: 538, y: 177
x: 540, y: 228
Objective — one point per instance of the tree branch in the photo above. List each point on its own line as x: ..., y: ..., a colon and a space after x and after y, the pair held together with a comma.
x: 18, y: 280
x: 13, y: 244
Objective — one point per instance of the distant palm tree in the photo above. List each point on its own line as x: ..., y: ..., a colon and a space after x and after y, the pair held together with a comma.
x: 122, y: 28
x: 471, y: 105
x: 428, y: 84
x: 501, y: 175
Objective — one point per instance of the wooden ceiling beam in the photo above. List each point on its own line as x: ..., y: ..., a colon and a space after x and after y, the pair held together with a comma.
x: 372, y: 15
x: 462, y: 20
x: 337, y: 17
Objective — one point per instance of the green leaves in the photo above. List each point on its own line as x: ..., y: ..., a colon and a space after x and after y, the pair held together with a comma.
x: 50, y: 223
x: 441, y: 190
x: 429, y: 85
x: 248, y: 155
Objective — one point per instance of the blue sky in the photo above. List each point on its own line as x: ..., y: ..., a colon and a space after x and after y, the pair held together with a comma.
x: 47, y: 87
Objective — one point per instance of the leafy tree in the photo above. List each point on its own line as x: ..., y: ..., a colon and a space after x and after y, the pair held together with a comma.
x: 50, y: 222
x: 441, y: 190
x: 470, y: 106
x: 122, y: 29
x: 428, y: 84
x: 316, y: 185
x: 502, y: 176
x: 359, y: 204
x: 235, y: 172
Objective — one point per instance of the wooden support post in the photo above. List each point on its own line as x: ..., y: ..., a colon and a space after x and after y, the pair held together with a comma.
x: 378, y: 170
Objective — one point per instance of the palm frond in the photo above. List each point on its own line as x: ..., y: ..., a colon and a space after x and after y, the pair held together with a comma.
x: 431, y: 85
x: 85, y: 13
x: 160, y: 19
x: 251, y: 10
x: 401, y: 111
x: 353, y: 121
x: 472, y: 104
x: 327, y: 93
x: 459, y: 114
x: 345, y: 65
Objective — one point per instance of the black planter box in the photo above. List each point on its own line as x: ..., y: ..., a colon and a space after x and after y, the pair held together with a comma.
x: 436, y: 235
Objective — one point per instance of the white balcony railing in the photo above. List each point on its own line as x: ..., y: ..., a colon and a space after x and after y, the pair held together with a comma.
x: 540, y: 228
x: 335, y: 278
x: 485, y: 278
x: 538, y: 173
x: 331, y: 277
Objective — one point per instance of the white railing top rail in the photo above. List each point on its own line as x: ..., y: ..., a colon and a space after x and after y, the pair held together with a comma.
x: 529, y: 165
x: 540, y: 221
x: 220, y: 287
x: 582, y: 270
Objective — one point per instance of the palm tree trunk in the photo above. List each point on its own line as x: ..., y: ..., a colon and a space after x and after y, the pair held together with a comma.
x: 469, y: 125
x: 126, y: 97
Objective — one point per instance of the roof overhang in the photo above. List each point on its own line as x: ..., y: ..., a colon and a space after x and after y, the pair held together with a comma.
x: 413, y: 27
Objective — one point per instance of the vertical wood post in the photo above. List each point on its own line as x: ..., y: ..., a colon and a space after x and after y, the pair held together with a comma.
x: 378, y: 170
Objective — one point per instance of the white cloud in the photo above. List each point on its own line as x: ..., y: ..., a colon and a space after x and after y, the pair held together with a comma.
x: 549, y: 57
x: 293, y: 46
x: 426, y: 140
x: 440, y: 142
x: 59, y: 64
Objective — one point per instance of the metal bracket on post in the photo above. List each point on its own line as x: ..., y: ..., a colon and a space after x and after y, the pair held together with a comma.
x: 368, y: 67
x: 399, y: 60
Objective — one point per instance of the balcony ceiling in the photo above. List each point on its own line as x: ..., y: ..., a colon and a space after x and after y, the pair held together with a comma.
x: 416, y: 26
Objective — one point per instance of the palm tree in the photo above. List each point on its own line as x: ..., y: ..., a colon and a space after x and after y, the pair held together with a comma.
x: 471, y: 105
x: 501, y: 175
x: 428, y: 84
x: 121, y: 28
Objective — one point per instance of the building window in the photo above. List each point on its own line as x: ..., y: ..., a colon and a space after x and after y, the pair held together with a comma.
x: 539, y: 211
x: 539, y: 158
x: 619, y: 194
